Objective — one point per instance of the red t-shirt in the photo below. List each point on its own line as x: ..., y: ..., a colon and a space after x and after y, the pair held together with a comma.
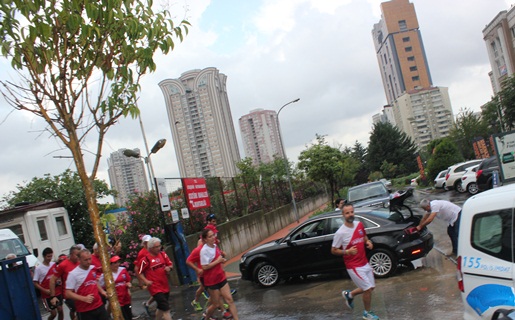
x: 62, y: 270
x: 346, y: 238
x: 153, y: 268
x: 194, y: 258
x: 216, y: 274
x: 84, y: 282
x: 42, y: 275
x: 121, y: 278
x: 95, y: 261
x: 143, y: 252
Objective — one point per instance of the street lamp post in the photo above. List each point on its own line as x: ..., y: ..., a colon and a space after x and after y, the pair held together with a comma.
x: 286, y: 164
x: 135, y: 154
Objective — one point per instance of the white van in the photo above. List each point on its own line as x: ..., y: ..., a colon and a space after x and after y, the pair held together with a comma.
x: 486, y: 266
x: 40, y: 225
x: 10, y: 243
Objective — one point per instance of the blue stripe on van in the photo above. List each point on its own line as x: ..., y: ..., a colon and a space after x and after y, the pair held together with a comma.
x: 490, y: 295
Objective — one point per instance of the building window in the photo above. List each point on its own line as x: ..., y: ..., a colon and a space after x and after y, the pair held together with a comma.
x: 402, y: 25
x: 408, y: 49
x: 413, y: 68
x: 411, y: 58
x: 405, y: 39
x: 61, y: 226
x: 415, y: 78
x: 42, y: 230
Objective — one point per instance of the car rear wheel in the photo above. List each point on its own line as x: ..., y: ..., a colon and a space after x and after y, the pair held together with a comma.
x: 383, y: 262
x: 472, y: 188
x: 266, y: 274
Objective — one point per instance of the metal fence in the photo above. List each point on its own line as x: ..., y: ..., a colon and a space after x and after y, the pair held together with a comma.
x: 235, y: 197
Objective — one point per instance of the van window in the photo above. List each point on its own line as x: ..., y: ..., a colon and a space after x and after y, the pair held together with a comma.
x: 61, y: 226
x: 42, y: 230
x: 492, y: 233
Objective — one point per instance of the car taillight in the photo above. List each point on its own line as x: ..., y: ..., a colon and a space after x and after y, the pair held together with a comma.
x: 459, y: 275
x: 447, y: 176
x: 478, y: 173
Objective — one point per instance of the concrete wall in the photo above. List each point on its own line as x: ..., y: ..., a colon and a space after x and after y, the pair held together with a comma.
x: 241, y: 234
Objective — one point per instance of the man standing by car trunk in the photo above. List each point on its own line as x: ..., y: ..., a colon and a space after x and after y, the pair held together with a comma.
x: 350, y: 241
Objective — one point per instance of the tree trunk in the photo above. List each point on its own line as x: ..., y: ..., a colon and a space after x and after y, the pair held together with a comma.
x: 98, y: 231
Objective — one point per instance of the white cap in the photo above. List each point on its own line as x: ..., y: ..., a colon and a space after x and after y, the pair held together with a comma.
x: 146, y: 238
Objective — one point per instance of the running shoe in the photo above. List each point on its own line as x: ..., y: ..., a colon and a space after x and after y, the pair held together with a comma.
x: 227, y: 315
x: 147, y: 310
x: 233, y: 291
x: 226, y: 306
x: 348, y: 300
x: 205, y: 294
x: 204, y: 317
x: 370, y: 315
x: 196, y: 305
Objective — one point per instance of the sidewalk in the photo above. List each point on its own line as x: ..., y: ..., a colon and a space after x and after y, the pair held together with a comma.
x: 231, y: 267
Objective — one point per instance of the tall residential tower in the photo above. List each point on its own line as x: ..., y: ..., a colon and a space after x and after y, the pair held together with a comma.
x: 420, y: 109
x: 261, y: 136
x: 127, y: 176
x: 201, y: 123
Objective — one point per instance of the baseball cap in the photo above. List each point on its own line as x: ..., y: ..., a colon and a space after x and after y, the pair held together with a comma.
x: 114, y: 259
x: 146, y: 238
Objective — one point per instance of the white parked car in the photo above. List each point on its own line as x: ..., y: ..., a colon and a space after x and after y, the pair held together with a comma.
x: 440, y: 179
x: 453, y: 177
x: 468, y: 181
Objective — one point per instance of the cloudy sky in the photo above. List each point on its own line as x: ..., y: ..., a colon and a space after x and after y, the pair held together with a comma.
x: 273, y: 52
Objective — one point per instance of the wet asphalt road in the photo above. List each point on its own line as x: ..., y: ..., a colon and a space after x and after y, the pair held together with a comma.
x: 427, y: 290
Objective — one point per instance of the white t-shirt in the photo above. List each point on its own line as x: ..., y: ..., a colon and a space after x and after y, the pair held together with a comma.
x: 445, y: 210
x: 207, y: 254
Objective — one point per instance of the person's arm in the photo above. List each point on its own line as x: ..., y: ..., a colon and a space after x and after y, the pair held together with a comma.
x: 70, y: 294
x: 101, y: 290
x: 426, y: 219
x: 40, y: 288
x: 190, y: 264
x: 368, y: 243
x: 213, y: 263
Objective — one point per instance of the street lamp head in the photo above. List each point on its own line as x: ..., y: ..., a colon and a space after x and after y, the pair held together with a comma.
x: 159, y: 144
x: 131, y: 153
x: 296, y: 100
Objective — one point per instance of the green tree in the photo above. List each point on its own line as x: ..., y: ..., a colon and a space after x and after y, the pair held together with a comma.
x: 388, y: 143
x: 66, y: 187
x: 322, y: 163
x: 80, y: 64
x: 505, y: 100
x: 445, y: 154
x: 466, y: 129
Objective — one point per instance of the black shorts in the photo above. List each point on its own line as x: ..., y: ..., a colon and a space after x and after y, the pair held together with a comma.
x: 49, y: 306
x: 99, y: 313
x: 70, y: 303
x: 217, y: 286
x: 161, y: 299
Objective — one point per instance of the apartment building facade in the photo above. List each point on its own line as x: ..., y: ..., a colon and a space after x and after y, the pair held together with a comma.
x: 127, y: 176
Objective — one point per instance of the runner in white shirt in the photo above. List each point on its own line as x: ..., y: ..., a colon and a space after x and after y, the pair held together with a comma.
x: 42, y: 275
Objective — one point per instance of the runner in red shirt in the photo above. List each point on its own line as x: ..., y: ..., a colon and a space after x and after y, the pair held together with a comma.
x: 193, y: 261
x: 215, y: 280
x: 83, y: 287
x: 42, y: 275
x: 60, y: 274
x: 122, y: 282
x: 350, y: 241
x: 153, y: 272
x: 95, y: 259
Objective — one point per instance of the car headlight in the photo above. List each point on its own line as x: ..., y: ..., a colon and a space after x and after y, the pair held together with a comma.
x: 387, y: 204
x: 243, y: 258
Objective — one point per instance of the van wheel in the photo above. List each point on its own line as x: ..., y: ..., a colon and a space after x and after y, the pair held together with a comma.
x: 266, y: 274
x: 472, y: 188
x: 383, y: 262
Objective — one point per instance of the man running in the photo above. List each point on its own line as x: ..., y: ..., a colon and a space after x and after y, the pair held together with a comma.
x: 42, y: 275
x: 61, y: 274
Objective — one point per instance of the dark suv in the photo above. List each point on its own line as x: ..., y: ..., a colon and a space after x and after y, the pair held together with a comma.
x: 484, y: 173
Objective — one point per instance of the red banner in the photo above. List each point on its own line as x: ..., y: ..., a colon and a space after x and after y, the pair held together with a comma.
x: 196, y: 193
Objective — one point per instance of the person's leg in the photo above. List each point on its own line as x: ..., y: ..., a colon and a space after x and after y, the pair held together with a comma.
x: 214, y: 297
x: 451, y: 232
x: 356, y: 292
x: 225, y: 292
x: 367, y: 299
x: 163, y: 314
x: 60, y: 313
x: 53, y: 314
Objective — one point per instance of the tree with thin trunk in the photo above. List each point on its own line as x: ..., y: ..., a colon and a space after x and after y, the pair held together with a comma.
x: 80, y: 63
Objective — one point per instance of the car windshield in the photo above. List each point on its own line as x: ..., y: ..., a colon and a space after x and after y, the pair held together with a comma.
x: 367, y: 191
x: 12, y: 246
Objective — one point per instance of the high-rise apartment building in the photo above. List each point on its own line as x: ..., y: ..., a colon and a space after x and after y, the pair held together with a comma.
x: 405, y: 72
x: 201, y: 123
x: 127, y: 176
x: 499, y: 36
x: 261, y: 136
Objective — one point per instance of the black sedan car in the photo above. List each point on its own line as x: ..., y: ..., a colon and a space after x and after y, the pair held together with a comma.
x: 307, y: 248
